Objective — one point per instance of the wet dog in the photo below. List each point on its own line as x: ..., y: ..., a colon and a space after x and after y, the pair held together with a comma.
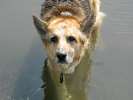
x: 68, y: 29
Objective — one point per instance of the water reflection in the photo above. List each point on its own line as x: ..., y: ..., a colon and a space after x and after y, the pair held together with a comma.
x: 28, y: 83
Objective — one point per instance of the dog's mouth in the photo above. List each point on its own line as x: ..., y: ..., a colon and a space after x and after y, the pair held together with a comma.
x: 63, y: 68
x: 62, y: 61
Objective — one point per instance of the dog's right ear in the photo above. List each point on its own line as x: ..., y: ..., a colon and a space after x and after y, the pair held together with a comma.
x: 41, y: 26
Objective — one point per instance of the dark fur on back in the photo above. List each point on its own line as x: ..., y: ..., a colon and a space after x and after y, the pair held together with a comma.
x: 82, y: 10
x: 77, y: 7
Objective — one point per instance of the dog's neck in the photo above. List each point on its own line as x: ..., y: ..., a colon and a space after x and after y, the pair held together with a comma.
x: 73, y: 86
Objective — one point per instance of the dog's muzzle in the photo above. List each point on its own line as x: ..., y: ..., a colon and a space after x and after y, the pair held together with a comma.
x: 61, y: 58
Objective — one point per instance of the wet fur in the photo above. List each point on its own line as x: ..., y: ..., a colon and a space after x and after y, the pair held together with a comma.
x: 80, y: 9
x: 84, y: 15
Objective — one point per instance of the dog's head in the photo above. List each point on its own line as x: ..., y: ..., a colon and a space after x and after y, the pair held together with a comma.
x: 64, y: 42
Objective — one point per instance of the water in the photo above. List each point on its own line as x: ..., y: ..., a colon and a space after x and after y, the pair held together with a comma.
x: 22, y: 56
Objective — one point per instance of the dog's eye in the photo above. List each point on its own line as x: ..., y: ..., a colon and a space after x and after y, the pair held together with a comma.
x: 54, y: 39
x: 71, y: 39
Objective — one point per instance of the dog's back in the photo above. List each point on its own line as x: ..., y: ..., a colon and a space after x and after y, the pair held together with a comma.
x: 52, y: 8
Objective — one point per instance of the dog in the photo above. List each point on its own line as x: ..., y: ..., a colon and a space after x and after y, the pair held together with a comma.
x: 69, y: 31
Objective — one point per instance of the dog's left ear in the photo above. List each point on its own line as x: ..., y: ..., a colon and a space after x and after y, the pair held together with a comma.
x: 40, y: 25
x: 88, y: 23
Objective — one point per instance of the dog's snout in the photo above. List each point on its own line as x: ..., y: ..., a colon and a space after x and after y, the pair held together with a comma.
x: 61, y: 57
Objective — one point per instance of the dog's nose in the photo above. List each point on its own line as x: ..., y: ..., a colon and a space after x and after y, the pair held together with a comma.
x: 61, y: 57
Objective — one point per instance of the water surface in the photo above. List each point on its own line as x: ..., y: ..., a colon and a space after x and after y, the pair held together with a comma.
x: 22, y: 56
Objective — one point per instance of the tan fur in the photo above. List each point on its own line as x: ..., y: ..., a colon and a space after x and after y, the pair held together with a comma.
x: 63, y: 27
x: 80, y: 19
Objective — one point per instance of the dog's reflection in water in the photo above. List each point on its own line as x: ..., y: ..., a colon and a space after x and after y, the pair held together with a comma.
x: 67, y: 86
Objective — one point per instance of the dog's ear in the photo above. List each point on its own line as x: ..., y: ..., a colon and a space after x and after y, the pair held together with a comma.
x: 90, y: 20
x: 88, y: 23
x: 40, y: 25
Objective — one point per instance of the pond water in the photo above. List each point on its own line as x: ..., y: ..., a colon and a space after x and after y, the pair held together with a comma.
x: 22, y: 54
